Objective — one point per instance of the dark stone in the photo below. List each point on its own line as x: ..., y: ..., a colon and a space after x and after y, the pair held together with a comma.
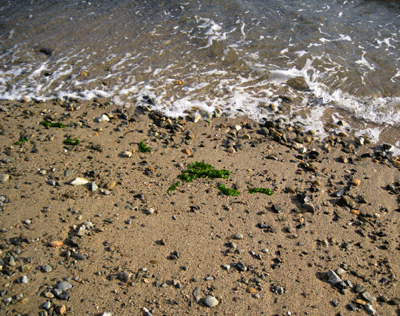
x: 47, y: 51
x: 276, y: 208
x: 298, y: 83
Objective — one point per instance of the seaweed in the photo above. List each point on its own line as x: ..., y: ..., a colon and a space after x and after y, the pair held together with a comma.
x: 143, y: 148
x: 50, y: 124
x: 261, y: 190
x: 70, y: 141
x: 203, y: 170
x: 22, y: 140
x: 173, y: 187
x: 226, y: 191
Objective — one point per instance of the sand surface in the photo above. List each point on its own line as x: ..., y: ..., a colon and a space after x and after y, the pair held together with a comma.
x: 131, y: 248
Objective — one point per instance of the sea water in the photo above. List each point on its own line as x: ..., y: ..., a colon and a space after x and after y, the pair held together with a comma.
x: 235, y: 56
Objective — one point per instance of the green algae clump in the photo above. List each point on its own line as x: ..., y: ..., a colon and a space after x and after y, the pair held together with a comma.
x: 203, y: 170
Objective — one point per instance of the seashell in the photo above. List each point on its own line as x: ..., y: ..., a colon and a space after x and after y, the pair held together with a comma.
x: 103, y: 118
x: 126, y: 154
x: 56, y: 244
x: 79, y: 181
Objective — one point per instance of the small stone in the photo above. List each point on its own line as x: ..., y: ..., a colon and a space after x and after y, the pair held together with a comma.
x: 63, y: 286
x: 356, y: 182
x: 238, y: 236
x: 340, y: 271
x: 368, y: 297
x: 46, y: 305
x: 347, y: 201
x: 150, y: 211
x: 226, y: 267
x: 276, y: 208
x: 309, y: 207
x: 79, y: 181
x: 196, y: 118
x: 251, y: 290
x: 211, y: 301
x: 124, y: 276
x: 126, y: 154
x: 24, y: 280
x: 61, y: 309
x: 4, y: 177
x: 102, y: 118
x: 92, y: 186
x: 359, y: 288
x: 369, y: 309
x: 333, y: 277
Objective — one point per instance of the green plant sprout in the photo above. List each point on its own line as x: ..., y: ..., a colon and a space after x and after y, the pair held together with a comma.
x: 143, y: 148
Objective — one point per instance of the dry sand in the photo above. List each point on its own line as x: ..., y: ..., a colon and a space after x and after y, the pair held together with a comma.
x: 130, y: 248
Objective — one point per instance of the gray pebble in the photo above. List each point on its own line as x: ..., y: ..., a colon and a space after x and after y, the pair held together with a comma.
x: 24, y: 280
x: 238, y: 236
x: 46, y: 268
x: 4, y: 177
x: 63, y: 286
x: 369, y: 309
x: 211, y: 301
x: 333, y: 277
x: 226, y: 267
x: 368, y: 297
x: 46, y: 305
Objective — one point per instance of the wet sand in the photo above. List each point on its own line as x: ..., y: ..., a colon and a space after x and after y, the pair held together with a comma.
x: 130, y: 248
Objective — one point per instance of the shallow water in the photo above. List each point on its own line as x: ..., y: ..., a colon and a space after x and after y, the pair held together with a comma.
x: 232, y: 55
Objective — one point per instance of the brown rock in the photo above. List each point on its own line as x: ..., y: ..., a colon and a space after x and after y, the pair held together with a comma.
x: 251, y: 290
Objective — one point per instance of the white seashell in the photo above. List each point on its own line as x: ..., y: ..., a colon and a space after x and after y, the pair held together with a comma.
x: 126, y: 154
x: 103, y: 118
x: 196, y: 118
x: 79, y: 181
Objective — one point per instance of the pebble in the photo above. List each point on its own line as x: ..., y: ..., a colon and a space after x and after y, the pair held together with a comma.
x: 226, y: 267
x: 46, y: 305
x: 103, y: 118
x: 93, y: 186
x: 79, y: 181
x: 4, y: 177
x: 211, y: 301
x: 24, y: 280
x: 276, y: 208
x: 63, y: 286
x: 333, y: 277
x: 238, y: 236
x: 369, y: 309
x: 368, y: 297
x: 126, y: 154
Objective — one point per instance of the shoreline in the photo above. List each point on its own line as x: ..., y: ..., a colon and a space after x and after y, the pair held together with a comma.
x: 129, y: 247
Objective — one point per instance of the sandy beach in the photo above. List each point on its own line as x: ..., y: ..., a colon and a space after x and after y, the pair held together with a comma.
x: 326, y: 242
